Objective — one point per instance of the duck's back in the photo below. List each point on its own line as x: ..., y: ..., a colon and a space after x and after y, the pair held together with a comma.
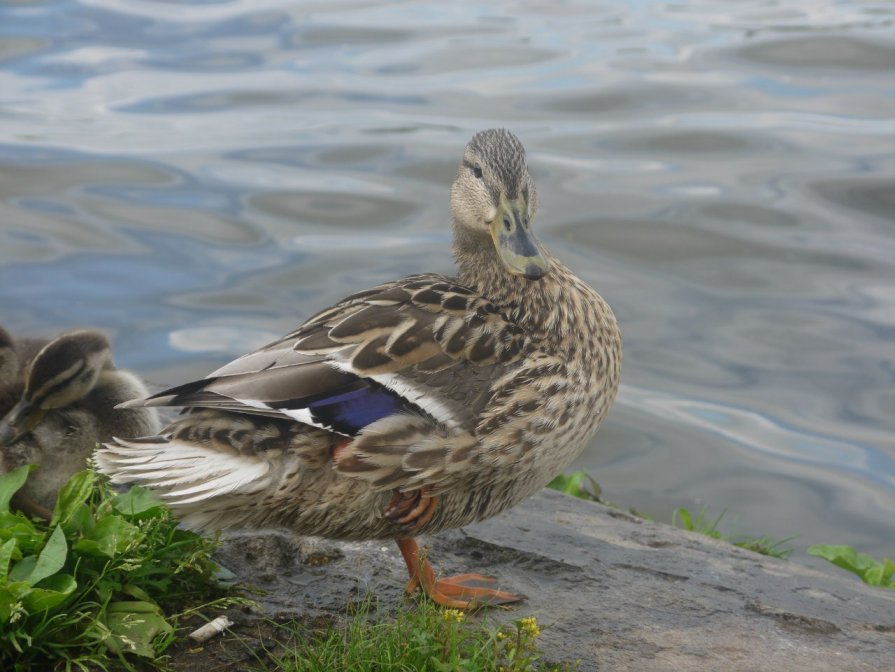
x: 421, y: 382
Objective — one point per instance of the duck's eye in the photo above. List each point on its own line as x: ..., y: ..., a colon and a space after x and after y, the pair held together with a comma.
x: 477, y: 171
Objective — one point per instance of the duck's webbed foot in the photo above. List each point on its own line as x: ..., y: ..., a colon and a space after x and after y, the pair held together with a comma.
x: 465, y: 591
x: 412, y: 509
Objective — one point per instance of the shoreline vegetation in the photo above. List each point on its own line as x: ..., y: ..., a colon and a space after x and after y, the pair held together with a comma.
x: 871, y: 571
x: 112, y: 583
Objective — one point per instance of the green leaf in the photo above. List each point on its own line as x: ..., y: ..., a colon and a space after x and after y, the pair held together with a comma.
x: 133, y: 606
x: 888, y: 571
x: 133, y: 626
x: 6, y: 551
x: 869, y: 570
x: 71, y: 495
x: 81, y: 522
x: 558, y: 483
x: 7, y: 600
x: 223, y: 577
x: 52, y: 591
x: 874, y: 575
x: 828, y: 552
x: 11, y: 482
x: 10, y: 594
x: 136, y: 591
x: 682, y: 515
x: 841, y: 555
x: 574, y: 484
x: 16, y: 526
x: 111, y: 536
x: 23, y: 568
x: 135, y: 501
x: 50, y: 560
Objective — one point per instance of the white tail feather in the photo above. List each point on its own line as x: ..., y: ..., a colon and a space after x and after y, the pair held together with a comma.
x: 183, y: 474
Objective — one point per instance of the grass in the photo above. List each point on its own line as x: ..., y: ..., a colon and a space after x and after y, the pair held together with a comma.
x: 105, y: 583
x: 702, y: 524
x: 582, y: 485
x: 871, y: 571
x: 425, y: 637
x: 102, y: 584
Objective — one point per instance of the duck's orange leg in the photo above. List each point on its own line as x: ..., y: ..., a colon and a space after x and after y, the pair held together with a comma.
x: 464, y: 591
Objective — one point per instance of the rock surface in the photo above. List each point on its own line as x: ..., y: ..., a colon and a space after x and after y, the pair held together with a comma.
x: 610, y: 590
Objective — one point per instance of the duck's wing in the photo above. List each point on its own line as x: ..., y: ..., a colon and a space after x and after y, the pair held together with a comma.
x: 422, y: 346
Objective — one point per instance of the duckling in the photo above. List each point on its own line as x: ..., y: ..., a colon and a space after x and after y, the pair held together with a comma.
x: 14, y: 354
x: 57, y: 404
x: 9, y: 359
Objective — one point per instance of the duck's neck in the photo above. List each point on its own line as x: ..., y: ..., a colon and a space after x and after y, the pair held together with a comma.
x: 535, y: 304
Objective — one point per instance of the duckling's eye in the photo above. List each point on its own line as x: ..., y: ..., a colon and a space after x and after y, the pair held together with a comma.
x: 477, y: 171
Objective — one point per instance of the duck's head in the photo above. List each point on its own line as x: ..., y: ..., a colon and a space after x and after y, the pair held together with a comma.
x: 64, y: 371
x: 493, y: 203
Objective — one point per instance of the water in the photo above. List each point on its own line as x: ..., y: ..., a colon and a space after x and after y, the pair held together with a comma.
x: 196, y: 179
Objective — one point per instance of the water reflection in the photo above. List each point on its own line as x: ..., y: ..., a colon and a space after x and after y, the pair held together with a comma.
x: 198, y: 181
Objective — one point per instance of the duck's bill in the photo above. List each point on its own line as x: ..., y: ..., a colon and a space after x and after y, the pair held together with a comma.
x: 518, y: 248
x: 23, y: 417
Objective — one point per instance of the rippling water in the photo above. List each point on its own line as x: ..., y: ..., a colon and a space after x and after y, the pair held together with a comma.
x: 197, y: 178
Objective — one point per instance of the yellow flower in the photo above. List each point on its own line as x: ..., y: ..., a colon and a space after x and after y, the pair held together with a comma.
x: 501, y: 635
x: 529, y: 626
x: 453, y: 615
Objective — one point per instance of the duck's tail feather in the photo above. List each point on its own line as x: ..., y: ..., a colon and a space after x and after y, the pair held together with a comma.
x: 185, y: 476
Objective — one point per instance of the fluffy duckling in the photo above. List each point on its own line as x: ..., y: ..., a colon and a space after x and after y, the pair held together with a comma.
x: 9, y: 359
x: 15, y: 354
x: 57, y: 403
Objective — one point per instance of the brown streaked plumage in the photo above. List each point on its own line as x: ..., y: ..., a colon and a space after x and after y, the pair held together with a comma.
x: 422, y: 404
x: 57, y: 402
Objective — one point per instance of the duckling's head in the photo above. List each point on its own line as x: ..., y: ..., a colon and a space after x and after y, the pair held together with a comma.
x: 64, y: 371
x: 493, y: 202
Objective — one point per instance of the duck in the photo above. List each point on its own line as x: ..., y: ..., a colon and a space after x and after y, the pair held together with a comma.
x: 57, y: 402
x: 415, y: 406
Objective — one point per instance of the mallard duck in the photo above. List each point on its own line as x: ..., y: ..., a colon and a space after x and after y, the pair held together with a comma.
x: 57, y: 402
x: 418, y: 405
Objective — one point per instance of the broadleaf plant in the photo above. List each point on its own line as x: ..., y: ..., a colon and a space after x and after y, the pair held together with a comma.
x: 870, y: 571
x: 96, y: 582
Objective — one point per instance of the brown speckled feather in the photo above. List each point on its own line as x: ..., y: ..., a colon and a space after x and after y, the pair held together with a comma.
x: 426, y: 320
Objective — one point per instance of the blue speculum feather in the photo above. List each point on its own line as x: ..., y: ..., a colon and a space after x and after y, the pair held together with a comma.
x: 349, y: 412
